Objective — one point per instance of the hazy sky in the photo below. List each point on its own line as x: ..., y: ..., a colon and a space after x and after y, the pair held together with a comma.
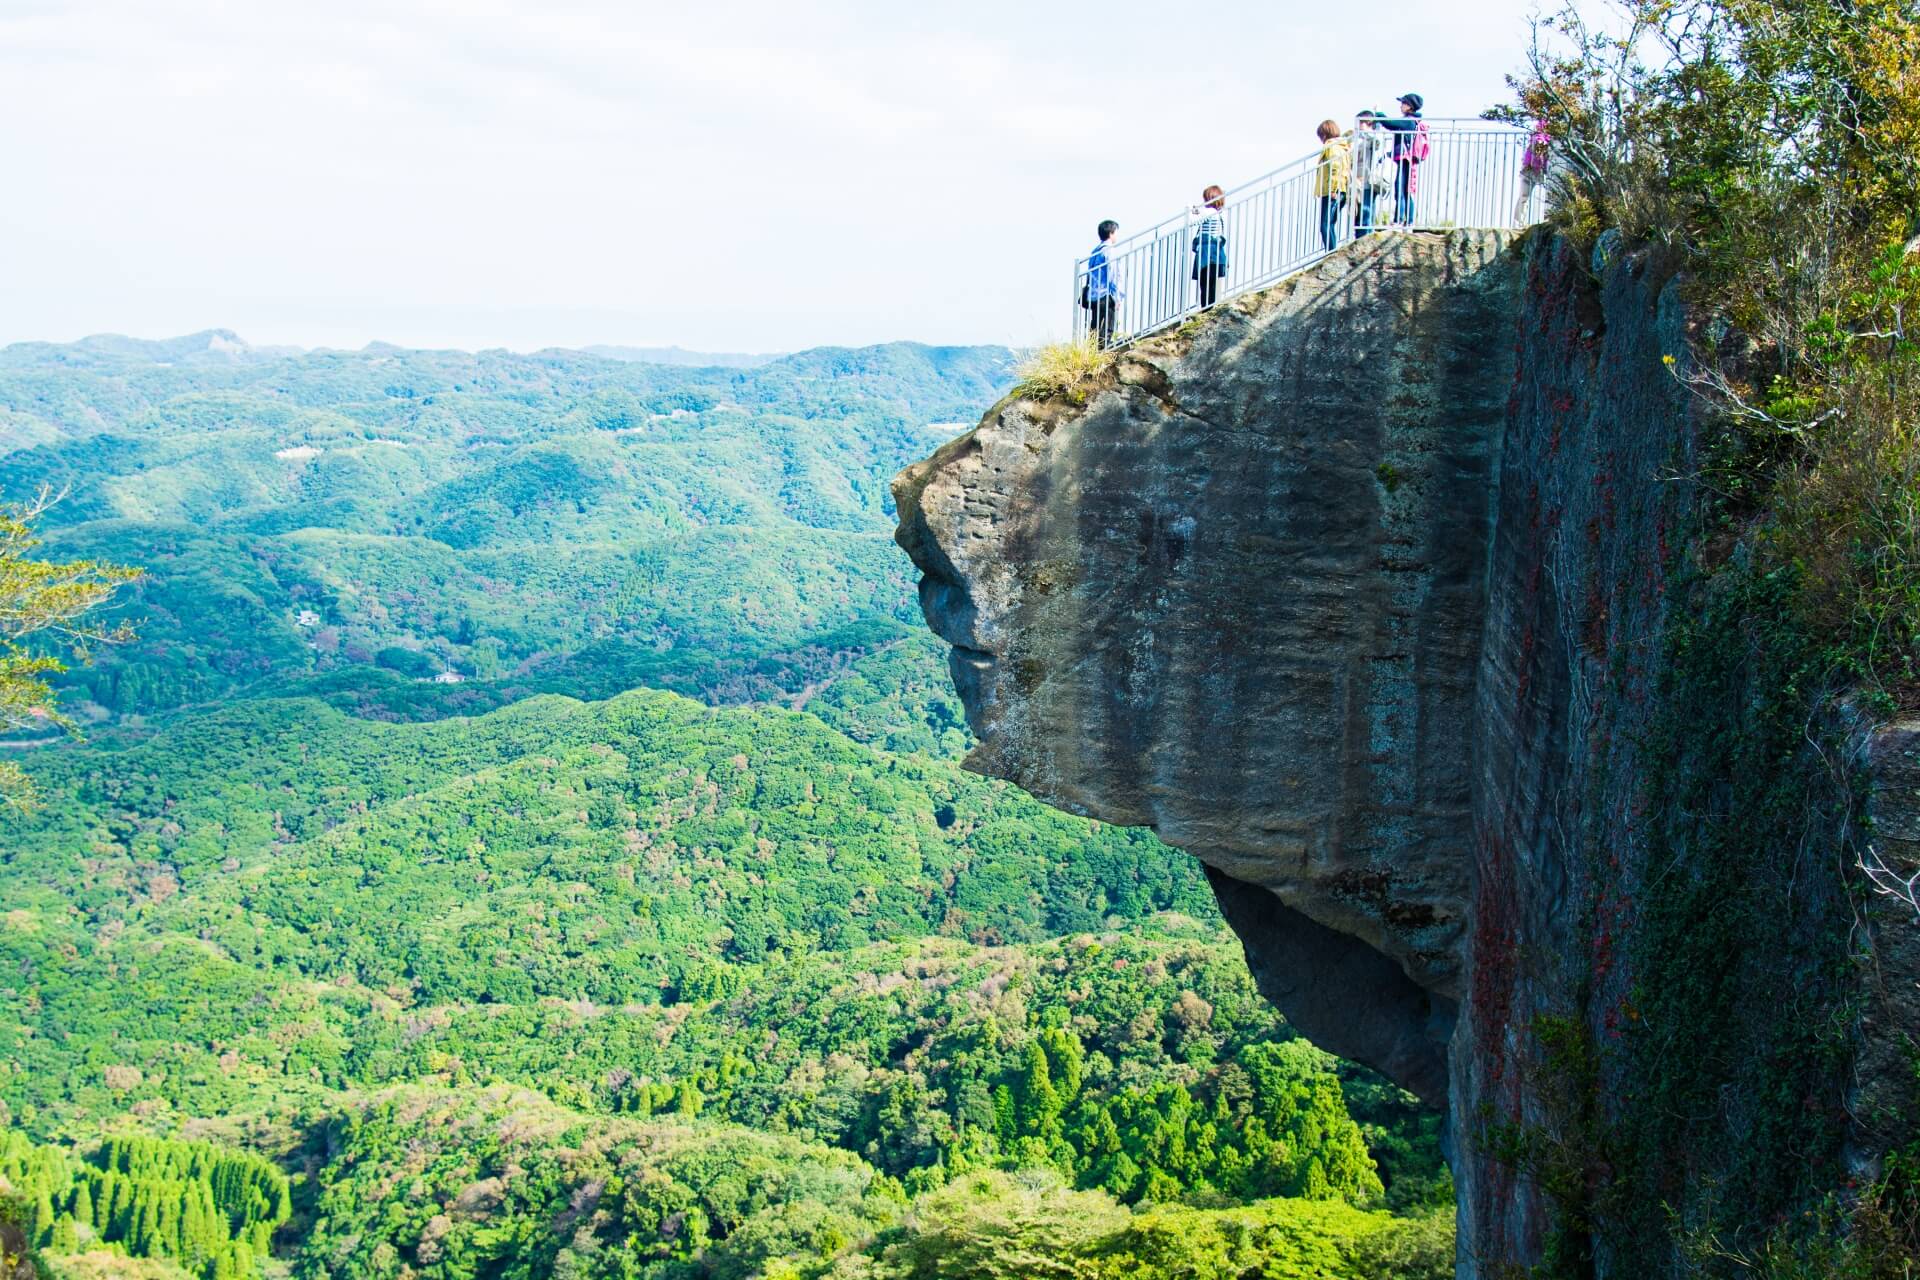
x: 724, y: 175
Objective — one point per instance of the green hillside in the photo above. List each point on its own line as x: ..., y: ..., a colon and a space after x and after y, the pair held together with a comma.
x: 644, y: 850
x: 529, y: 824
x: 505, y: 1185
x: 563, y: 522
x: 651, y: 907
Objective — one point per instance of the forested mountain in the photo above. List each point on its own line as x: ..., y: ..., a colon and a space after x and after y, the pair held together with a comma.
x: 527, y: 826
x: 563, y: 521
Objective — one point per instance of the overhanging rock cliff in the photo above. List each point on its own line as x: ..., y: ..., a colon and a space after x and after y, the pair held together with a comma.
x: 1238, y: 597
x: 1386, y: 593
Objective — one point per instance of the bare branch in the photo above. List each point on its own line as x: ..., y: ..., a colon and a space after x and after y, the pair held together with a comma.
x: 1888, y: 883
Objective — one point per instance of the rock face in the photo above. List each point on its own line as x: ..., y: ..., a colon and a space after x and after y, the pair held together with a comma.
x: 1363, y: 590
x: 1599, y: 437
x: 1238, y: 597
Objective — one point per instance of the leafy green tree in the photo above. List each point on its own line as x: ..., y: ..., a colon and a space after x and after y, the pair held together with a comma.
x: 993, y: 1226
x: 42, y: 601
x: 1006, y: 1123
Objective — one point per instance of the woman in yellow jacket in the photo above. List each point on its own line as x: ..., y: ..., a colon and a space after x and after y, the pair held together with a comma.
x: 1330, y: 183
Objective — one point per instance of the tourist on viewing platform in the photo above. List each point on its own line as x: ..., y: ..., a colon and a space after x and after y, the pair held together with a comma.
x: 1330, y: 182
x: 1410, y: 147
x: 1370, y: 161
x: 1533, y: 170
x: 1102, y: 292
x: 1210, y: 243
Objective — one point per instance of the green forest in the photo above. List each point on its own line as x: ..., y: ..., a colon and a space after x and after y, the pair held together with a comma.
x: 525, y: 836
x: 548, y: 523
x: 211, y: 1210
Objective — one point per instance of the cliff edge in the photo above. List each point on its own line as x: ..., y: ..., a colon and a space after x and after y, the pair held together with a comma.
x: 1384, y: 593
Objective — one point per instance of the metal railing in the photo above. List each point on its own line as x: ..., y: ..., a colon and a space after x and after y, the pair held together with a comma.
x: 1471, y: 176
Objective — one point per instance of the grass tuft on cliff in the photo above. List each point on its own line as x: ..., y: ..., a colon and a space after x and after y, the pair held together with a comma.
x: 1060, y: 369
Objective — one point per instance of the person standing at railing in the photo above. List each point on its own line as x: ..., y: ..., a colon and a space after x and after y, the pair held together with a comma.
x: 1210, y: 243
x: 1102, y: 293
x: 1533, y: 170
x: 1410, y: 147
x: 1330, y: 182
x: 1370, y: 161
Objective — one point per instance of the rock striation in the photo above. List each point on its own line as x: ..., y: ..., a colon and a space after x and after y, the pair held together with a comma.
x: 1237, y: 596
x: 1361, y: 590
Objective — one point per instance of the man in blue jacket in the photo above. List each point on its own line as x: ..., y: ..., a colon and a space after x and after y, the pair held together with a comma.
x: 1102, y: 294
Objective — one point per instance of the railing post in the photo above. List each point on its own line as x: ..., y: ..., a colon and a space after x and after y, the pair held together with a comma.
x: 1180, y: 253
x: 1082, y: 316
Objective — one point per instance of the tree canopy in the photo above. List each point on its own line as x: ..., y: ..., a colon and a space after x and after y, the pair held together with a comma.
x: 42, y: 601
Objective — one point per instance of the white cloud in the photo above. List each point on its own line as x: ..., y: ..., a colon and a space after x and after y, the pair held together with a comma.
x: 732, y: 173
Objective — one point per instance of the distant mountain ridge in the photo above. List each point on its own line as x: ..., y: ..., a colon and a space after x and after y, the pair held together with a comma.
x: 208, y: 346
x: 224, y: 346
x: 682, y: 356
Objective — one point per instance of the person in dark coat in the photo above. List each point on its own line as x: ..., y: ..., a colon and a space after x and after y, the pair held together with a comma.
x: 1210, y: 244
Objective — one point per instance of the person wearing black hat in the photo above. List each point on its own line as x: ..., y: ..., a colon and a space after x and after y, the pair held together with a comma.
x: 1410, y: 148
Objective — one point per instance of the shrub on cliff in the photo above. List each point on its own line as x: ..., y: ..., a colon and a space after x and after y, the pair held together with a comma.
x: 1774, y: 146
x: 1060, y: 369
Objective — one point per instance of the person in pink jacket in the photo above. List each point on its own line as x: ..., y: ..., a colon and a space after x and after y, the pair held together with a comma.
x: 1410, y: 147
x: 1533, y: 171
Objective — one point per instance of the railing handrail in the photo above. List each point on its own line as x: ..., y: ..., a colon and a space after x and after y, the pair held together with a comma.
x: 1474, y: 186
x: 1311, y: 161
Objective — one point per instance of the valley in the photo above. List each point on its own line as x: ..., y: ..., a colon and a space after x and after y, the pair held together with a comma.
x: 528, y: 822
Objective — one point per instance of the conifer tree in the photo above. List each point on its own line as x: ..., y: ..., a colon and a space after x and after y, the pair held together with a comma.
x: 123, y: 1218
x: 1005, y: 1127
x: 140, y: 1216
x: 232, y: 1262
x: 41, y: 1228
x: 1039, y: 1103
x: 191, y: 1237
x: 80, y: 1208
x: 1066, y: 1058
